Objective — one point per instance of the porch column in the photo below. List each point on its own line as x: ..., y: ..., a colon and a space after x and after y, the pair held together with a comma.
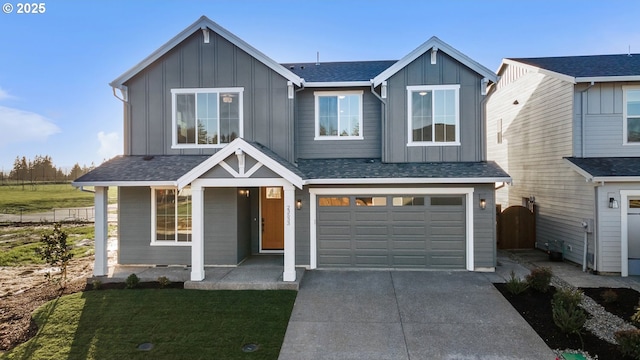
x: 289, y: 273
x: 197, y: 233
x: 101, y: 223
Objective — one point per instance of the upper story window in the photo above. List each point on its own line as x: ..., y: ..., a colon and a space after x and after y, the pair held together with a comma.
x: 434, y: 116
x: 631, y: 114
x: 171, y: 216
x: 206, y: 117
x: 338, y: 115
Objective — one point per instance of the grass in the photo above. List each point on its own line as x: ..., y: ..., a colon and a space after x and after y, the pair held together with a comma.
x: 44, y: 197
x: 181, y: 324
x: 18, y: 244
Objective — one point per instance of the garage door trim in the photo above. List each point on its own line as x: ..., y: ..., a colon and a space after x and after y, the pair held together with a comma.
x: 315, y: 192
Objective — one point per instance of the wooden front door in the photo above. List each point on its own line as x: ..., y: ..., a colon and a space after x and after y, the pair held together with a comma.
x: 272, y: 209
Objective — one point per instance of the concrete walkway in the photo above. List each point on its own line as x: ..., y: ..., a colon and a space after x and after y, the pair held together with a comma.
x: 406, y: 315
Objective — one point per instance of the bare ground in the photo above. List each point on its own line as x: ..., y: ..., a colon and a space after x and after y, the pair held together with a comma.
x: 24, y: 288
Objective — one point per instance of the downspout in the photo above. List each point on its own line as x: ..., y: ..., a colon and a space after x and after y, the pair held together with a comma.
x: 583, y: 120
x: 81, y: 188
x: 383, y: 119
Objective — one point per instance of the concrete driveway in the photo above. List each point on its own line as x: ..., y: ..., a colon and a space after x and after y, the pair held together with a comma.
x: 406, y: 315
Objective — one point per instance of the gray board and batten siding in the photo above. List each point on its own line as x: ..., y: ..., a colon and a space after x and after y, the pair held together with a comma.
x: 308, y: 148
x: 268, y: 112
x: 446, y: 71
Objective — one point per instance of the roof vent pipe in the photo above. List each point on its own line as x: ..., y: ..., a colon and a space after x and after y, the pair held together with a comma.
x: 317, y: 58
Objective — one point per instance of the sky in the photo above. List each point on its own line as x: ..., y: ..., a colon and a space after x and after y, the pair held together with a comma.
x: 55, y: 66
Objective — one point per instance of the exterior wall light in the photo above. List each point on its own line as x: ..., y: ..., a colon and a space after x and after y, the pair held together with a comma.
x: 298, y: 204
x: 613, y: 203
x: 483, y: 204
x: 243, y: 192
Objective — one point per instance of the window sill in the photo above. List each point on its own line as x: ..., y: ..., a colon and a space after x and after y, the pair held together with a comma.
x: 340, y: 138
x: 203, y: 146
x: 433, y: 144
x: 631, y: 144
x: 170, y: 243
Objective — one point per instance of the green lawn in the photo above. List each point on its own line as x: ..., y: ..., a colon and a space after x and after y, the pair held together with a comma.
x: 44, y: 197
x: 18, y: 244
x: 181, y: 324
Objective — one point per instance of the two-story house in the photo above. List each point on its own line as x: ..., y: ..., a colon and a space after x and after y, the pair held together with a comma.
x: 368, y: 164
x: 567, y: 129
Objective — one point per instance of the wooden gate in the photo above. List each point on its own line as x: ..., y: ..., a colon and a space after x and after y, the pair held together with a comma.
x: 516, y: 228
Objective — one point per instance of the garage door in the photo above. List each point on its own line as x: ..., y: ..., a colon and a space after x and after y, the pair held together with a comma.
x: 391, y: 231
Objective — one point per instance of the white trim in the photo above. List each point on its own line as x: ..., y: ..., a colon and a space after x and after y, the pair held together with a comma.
x: 625, y: 135
x: 195, y: 92
x: 241, y: 182
x: 101, y: 202
x: 442, y: 46
x: 579, y: 170
x: 337, y: 94
x: 624, y: 229
x: 324, y: 84
x: 433, y: 88
x: 223, y: 164
x: 203, y: 21
x: 154, y: 240
x: 239, y: 143
x: 289, y: 273
x: 253, y: 169
x: 382, y: 181
x: 314, y: 192
x: 608, y: 78
x: 197, y: 233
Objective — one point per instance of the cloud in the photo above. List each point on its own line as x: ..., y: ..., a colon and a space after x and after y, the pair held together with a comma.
x: 19, y: 126
x: 4, y: 95
x: 110, y: 145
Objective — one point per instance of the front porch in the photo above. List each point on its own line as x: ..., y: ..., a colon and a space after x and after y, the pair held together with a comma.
x: 258, y: 272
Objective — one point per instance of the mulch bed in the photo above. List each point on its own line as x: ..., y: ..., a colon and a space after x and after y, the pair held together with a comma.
x: 535, y: 308
x: 625, y: 304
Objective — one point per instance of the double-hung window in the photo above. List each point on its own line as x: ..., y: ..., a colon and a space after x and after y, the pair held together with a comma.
x: 631, y: 115
x: 434, y: 115
x: 206, y: 117
x: 171, y: 216
x: 338, y: 115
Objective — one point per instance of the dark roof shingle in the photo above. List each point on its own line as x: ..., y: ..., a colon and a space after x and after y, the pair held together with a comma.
x: 339, y: 71
x: 608, y: 166
x: 588, y: 66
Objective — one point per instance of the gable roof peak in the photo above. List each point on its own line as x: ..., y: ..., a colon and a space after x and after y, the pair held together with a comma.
x: 205, y: 23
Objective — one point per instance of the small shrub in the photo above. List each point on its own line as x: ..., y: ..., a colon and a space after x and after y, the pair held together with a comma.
x: 635, y: 318
x: 567, y: 315
x: 163, y: 281
x: 539, y: 279
x: 515, y: 285
x: 609, y: 296
x: 629, y: 342
x: 97, y: 284
x: 55, y: 251
x: 132, y: 281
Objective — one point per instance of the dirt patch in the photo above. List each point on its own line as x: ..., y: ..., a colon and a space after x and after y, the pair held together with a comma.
x: 624, y: 303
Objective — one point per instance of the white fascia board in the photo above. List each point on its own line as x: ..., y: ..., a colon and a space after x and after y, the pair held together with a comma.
x: 197, y: 26
x: 536, y: 69
x: 442, y: 46
x: 320, y: 84
x: 229, y: 150
x: 623, y: 179
x: 388, y: 191
x: 391, y: 181
x: 126, y: 183
x: 608, y: 78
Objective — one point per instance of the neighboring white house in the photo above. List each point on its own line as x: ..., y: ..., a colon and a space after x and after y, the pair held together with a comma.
x: 567, y: 130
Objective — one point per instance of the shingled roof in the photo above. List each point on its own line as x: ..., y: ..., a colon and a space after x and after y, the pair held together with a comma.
x: 607, y: 167
x: 339, y: 71
x: 324, y: 169
x: 588, y: 66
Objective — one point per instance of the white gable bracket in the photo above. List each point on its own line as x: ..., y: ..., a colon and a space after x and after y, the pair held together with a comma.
x: 434, y: 53
x: 483, y: 86
x: 205, y: 34
x: 240, y: 155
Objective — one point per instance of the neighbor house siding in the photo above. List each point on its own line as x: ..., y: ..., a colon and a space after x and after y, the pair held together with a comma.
x: 421, y: 72
x: 603, y: 119
x: 537, y: 133
x: 308, y: 148
x: 268, y: 113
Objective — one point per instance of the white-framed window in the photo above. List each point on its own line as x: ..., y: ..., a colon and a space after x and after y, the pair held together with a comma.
x: 433, y: 115
x: 631, y: 115
x: 338, y: 115
x: 171, y: 216
x: 206, y: 117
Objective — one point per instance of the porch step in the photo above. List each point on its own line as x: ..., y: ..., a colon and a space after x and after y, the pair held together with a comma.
x: 265, y: 279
